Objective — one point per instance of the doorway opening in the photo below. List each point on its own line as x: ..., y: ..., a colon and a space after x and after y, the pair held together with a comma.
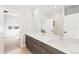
x: 12, y: 32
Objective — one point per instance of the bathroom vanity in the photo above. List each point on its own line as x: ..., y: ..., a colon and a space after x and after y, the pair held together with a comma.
x: 51, y: 44
x: 39, y: 47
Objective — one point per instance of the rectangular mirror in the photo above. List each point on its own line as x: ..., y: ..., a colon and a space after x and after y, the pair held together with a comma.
x: 71, y: 22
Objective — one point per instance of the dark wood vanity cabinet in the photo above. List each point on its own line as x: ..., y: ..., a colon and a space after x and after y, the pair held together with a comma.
x: 28, y: 42
x: 38, y: 47
x: 35, y: 48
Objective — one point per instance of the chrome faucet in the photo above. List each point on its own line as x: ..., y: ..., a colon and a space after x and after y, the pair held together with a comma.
x: 43, y: 32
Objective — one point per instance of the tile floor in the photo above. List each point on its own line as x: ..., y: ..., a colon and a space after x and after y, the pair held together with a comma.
x: 12, y: 46
x: 20, y: 51
x: 11, y: 43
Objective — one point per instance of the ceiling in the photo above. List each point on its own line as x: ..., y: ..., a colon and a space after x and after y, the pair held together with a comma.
x: 27, y: 8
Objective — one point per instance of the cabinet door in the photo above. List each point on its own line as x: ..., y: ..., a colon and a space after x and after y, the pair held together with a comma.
x: 44, y: 51
x: 28, y: 42
x: 35, y: 47
x: 34, y: 51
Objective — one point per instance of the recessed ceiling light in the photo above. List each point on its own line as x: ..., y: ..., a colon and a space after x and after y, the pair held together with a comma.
x: 5, y: 11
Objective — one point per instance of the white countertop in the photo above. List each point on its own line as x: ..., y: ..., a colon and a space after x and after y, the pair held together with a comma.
x: 68, y: 46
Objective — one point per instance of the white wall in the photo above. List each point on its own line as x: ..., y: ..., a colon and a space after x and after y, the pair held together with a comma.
x: 71, y: 26
x: 31, y: 21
